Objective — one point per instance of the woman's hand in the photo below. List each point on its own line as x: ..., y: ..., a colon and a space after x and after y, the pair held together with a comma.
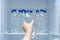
x: 28, y: 26
x: 28, y: 29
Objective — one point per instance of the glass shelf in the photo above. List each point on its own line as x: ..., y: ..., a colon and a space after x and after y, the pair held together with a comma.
x: 32, y: 34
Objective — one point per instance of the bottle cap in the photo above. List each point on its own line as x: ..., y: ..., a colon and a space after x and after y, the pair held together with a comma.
x: 37, y: 10
x: 14, y: 10
x: 42, y: 10
x: 20, y: 11
x: 31, y: 11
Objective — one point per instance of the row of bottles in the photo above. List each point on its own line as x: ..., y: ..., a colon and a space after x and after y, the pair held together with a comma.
x: 17, y: 19
x: 31, y: 11
x: 27, y: 12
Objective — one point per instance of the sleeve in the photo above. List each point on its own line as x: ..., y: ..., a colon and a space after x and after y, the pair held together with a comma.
x: 23, y: 38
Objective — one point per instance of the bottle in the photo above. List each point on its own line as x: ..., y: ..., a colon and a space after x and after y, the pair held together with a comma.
x: 43, y: 20
x: 22, y: 18
x: 38, y: 21
x: 14, y: 12
x: 13, y: 20
x: 28, y: 17
x: 42, y: 12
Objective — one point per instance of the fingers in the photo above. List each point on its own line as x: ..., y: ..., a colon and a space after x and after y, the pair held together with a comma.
x: 24, y: 22
x: 28, y: 23
x: 24, y: 27
x: 32, y: 22
x: 27, y: 26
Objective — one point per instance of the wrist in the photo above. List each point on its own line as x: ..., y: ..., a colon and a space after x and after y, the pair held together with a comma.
x: 30, y: 30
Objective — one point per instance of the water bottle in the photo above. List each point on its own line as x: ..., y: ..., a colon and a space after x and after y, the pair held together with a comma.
x: 43, y: 20
x: 38, y: 23
x: 22, y: 18
x: 28, y: 17
x: 13, y: 21
x: 14, y: 12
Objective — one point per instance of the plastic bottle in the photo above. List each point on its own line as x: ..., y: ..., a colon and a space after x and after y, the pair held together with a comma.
x: 13, y: 19
x: 14, y: 12
x: 38, y: 28
x: 43, y: 21
x: 28, y: 17
x: 22, y: 18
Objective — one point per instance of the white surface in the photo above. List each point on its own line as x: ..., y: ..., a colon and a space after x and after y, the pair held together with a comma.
x: 0, y: 15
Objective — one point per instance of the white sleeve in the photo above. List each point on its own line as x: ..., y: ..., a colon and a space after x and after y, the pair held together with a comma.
x: 23, y: 38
